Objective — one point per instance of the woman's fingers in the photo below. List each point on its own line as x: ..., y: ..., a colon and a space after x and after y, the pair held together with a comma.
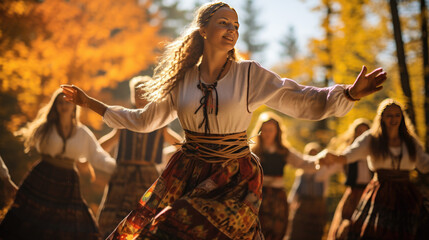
x: 362, y: 72
x: 369, y: 83
x: 375, y: 72
x: 380, y: 78
x: 67, y: 89
x: 70, y: 93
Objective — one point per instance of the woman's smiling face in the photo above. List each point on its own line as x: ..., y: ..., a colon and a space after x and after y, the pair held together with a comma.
x: 392, y: 117
x: 222, y: 30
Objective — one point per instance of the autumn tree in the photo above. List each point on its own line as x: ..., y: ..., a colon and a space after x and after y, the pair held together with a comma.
x: 401, y: 59
x: 355, y: 36
x: 408, y: 70
x: 93, y: 44
x: 425, y: 63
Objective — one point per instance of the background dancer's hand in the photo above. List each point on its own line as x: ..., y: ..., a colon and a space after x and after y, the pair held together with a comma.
x: 331, y: 158
x: 77, y: 96
x: 367, y: 84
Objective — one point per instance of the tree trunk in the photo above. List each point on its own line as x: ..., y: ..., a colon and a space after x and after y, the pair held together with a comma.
x: 328, y: 33
x: 424, y: 36
x: 402, y: 63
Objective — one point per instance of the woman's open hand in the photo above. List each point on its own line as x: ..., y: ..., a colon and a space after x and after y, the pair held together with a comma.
x: 367, y: 84
x: 75, y: 95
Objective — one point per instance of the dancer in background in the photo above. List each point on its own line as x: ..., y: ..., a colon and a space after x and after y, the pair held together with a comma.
x: 358, y: 176
x: 7, y: 189
x: 390, y: 204
x: 212, y: 187
x: 274, y: 155
x: 308, y: 211
x: 48, y: 204
x: 136, y: 159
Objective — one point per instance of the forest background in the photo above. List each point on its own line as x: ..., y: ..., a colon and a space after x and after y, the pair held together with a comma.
x: 100, y: 44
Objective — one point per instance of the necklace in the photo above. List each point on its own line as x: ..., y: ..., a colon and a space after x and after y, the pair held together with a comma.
x: 63, y: 136
x: 206, y: 101
x: 396, y: 158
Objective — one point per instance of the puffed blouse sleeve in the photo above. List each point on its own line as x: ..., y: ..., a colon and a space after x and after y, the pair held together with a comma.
x: 153, y: 116
x: 293, y: 99
x: 422, y: 161
x: 95, y: 154
x: 359, y: 149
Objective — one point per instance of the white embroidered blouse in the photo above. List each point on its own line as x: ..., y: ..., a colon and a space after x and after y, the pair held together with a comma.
x: 81, y: 146
x: 239, y: 94
x: 360, y: 149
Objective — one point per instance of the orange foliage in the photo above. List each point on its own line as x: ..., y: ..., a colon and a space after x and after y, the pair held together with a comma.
x: 90, y: 43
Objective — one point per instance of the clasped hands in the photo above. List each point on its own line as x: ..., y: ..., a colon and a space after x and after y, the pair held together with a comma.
x: 326, y: 158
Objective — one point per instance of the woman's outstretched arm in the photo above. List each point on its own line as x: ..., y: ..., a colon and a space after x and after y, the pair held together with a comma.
x: 77, y: 96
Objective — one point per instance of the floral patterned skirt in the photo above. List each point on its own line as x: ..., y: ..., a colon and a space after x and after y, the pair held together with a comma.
x: 389, y: 208
x: 194, y: 199
x: 49, y: 205
x: 126, y: 186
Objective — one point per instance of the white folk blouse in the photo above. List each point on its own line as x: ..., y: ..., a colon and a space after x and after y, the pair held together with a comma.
x: 81, y: 146
x: 241, y: 91
x: 360, y: 149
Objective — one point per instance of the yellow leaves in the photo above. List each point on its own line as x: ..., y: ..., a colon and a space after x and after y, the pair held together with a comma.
x: 17, y: 7
x: 91, y: 118
x: 93, y: 44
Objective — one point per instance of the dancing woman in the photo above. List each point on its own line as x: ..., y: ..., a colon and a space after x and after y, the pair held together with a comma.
x: 390, y: 204
x: 49, y: 204
x: 358, y: 176
x: 137, y: 158
x: 274, y: 155
x: 212, y: 187
x: 307, y: 198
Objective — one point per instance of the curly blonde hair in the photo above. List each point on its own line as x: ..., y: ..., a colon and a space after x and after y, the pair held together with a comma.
x: 181, y: 55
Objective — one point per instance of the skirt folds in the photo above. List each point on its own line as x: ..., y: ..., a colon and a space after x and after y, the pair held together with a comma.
x: 195, y: 199
x: 389, y: 208
x: 340, y: 224
x: 126, y: 186
x: 307, y: 217
x: 49, y: 205
x: 273, y: 214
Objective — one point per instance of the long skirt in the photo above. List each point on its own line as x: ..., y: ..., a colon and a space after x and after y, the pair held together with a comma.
x: 389, y: 208
x: 340, y: 224
x: 126, y: 186
x: 49, y: 205
x: 273, y: 214
x: 307, y: 218
x: 194, y: 199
